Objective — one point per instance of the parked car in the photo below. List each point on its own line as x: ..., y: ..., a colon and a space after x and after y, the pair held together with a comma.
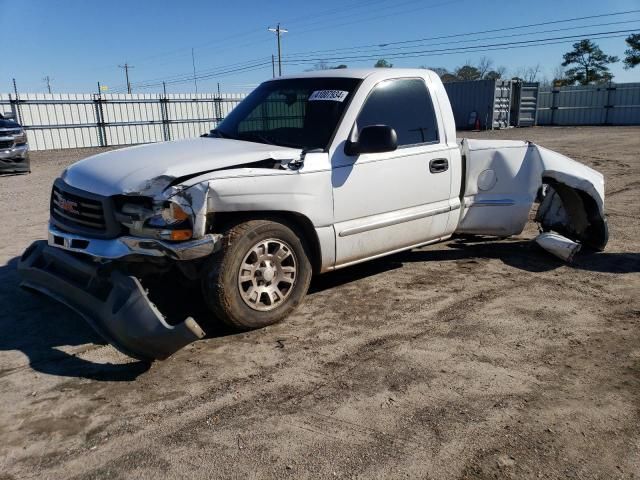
x: 310, y: 173
x: 14, y: 149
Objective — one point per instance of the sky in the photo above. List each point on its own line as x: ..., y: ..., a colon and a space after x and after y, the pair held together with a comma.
x: 80, y: 43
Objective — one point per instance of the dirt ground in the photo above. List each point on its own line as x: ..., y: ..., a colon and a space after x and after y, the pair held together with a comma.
x: 468, y: 359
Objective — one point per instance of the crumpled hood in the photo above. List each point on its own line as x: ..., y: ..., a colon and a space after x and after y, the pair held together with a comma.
x: 137, y: 169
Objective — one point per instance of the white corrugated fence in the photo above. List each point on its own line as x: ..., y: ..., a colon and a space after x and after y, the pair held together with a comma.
x: 69, y: 120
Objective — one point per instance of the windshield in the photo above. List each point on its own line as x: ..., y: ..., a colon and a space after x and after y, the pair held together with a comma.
x: 300, y: 112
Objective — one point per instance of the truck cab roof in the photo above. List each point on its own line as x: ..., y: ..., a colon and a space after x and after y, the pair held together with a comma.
x: 362, y: 73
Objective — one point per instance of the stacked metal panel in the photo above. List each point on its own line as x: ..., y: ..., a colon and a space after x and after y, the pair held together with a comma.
x: 480, y: 103
x: 613, y: 104
x: 524, y: 104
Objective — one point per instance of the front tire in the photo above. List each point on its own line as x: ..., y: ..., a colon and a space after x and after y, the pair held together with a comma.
x: 259, y: 277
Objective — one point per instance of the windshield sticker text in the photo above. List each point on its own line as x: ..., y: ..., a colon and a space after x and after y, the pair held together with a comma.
x: 330, y: 95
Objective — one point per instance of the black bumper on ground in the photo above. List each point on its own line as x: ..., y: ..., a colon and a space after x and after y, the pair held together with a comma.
x: 114, y: 304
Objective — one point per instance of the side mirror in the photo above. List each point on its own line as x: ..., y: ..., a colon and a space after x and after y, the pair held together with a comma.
x: 373, y: 139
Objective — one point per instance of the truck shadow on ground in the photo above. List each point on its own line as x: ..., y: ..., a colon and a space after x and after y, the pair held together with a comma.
x: 39, y: 327
x: 520, y: 254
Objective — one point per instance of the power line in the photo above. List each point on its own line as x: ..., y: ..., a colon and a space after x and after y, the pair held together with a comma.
x: 301, y: 58
x: 494, y: 30
x: 473, y: 48
x: 393, y: 13
x: 381, y: 53
x: 258, y: 31
x: 216, y: 74
x: 188, y: 76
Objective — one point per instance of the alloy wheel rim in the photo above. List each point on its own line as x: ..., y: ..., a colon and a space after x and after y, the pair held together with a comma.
x: 267, y: 274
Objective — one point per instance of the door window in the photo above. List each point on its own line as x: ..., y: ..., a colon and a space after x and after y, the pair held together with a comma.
x: 406, y: 106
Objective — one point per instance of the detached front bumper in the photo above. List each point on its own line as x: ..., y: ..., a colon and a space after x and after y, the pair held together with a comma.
x: 15, y: 159
x: 126, y: 246
x: 114, y: 304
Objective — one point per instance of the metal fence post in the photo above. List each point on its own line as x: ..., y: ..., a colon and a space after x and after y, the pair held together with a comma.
x: 16, y: 110
x: 13, y: 105
x: 102, y: 131
x: 554, y: 104
x: 164, y: 112
x: 607, y: 105
x: 217, y: 102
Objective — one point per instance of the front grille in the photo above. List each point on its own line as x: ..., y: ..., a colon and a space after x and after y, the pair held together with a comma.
x: 72, y: 209
x: 9, y: 133
x: 6, y: 143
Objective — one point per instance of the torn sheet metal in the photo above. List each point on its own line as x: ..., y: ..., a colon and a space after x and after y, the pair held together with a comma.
x: 518, y: 170
x: 557, y: 245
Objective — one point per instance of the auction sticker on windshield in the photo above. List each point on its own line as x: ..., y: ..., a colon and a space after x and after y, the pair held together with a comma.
x: 330, y: 95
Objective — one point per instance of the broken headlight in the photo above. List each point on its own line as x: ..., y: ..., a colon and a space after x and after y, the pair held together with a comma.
x: 171, y: 222
x: 20, y: 138
x: 164, y: 220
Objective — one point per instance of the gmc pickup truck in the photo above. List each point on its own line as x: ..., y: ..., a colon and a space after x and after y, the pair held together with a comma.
x: 310, y: 173
x: 14, y: 150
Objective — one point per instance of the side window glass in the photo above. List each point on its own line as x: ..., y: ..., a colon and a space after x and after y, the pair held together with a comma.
x: 404, y: 105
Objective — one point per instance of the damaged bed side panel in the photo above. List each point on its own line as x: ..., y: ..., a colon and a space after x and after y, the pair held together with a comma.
x: 502, y: 182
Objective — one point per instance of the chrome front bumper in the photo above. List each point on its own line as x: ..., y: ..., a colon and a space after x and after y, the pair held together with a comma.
x: 15, y: 160
x: 14, y: 152
x: 126, y: 246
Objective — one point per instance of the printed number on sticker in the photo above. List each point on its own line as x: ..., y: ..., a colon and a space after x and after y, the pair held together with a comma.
x: 330, y: 95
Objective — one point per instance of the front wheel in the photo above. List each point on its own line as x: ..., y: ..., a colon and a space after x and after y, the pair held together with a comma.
x: 259, y: 277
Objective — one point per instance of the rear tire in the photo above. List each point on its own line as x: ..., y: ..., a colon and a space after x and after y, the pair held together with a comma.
x: 259, y: 277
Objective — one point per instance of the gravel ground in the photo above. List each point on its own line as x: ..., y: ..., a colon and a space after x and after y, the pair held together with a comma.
x: 468, y: 359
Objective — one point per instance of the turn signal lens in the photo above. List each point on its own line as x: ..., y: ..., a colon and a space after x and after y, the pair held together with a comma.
x: 181, y: 234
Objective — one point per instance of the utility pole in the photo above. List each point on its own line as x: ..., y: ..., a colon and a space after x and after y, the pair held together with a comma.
x: 164, y: 88
x: 193, y: 62
x: 279, y: 31
x: 273, y: 66
x: 47, y: 80
x: 126, y: 67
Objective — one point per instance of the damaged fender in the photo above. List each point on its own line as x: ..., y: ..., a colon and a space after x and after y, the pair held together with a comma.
x: 504, y: 178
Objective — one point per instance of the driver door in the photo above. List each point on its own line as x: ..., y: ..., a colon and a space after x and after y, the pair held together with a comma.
x: 394, y: 200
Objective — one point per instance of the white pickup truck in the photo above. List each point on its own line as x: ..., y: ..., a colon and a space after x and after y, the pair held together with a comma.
x: 310, y: 173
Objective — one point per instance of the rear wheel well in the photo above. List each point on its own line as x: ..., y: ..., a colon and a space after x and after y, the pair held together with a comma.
x: 585, y: 222
x: 222, y: 221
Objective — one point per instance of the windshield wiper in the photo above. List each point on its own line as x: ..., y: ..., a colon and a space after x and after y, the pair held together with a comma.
x: 221, y: 134
x: 256, y: 137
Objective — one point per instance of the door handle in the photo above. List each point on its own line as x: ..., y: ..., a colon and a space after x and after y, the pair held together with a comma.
x: 438, y: 165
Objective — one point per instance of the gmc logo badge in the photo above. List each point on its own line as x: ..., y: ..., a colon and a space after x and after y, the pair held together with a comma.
x: 68, y: 206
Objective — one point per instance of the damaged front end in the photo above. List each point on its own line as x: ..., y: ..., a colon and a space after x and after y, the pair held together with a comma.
x: 94, y: 243
x: 132, y: 214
